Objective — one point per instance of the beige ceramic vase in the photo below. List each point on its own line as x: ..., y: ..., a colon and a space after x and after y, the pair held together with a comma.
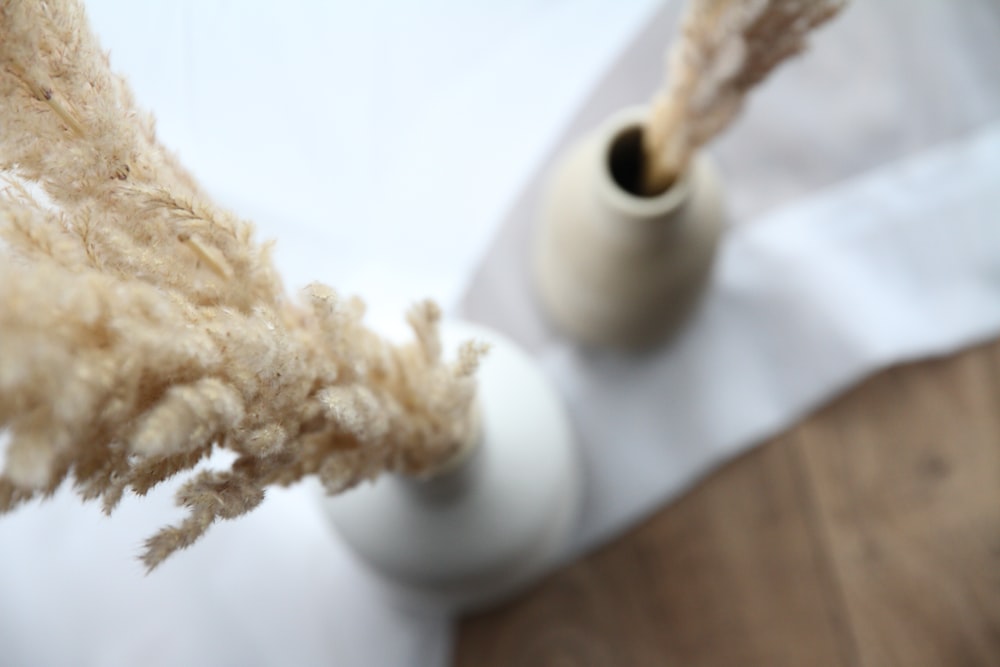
x: 614, y: 267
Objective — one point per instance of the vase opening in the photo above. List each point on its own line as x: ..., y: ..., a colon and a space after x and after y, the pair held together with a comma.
x: 627, y: 162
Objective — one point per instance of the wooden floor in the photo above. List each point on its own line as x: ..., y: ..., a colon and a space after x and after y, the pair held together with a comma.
x: 867, y: 535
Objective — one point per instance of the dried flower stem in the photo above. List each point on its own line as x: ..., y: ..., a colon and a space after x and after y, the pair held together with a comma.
x: 726, y: 47
x: 143, y: 327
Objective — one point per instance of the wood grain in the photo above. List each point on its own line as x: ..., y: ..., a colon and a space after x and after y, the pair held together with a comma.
x: 907, y: 479
x: 868, y: 535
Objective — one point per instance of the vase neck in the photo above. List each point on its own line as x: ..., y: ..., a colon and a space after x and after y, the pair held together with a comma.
x: 627, y: 217
x: 453, y: 477
x: 616, y: 161
x: 444, y: 487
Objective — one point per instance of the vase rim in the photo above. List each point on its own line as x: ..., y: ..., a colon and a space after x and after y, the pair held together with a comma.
x: 614, y: 193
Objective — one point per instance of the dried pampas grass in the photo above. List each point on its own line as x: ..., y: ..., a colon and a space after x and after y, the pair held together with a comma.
x: 726, y: 47
x: 142, y: 327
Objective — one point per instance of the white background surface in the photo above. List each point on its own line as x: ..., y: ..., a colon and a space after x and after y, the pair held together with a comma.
x: 380, y: 141
x: 382, y: 144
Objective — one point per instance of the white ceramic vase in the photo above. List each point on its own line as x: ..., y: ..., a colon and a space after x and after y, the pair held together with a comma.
x: 480, y: 531
x: 618, y: 268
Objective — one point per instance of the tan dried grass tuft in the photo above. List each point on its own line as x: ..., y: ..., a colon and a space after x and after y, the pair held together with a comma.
x: 726, y: 47
x: 142, y: 327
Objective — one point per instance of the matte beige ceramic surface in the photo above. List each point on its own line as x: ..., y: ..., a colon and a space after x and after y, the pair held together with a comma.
x: 618, y: 268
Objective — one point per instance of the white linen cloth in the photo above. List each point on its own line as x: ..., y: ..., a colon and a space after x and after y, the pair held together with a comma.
x: 881, y: 150
x: 804, y: 302
x: 381, y: 146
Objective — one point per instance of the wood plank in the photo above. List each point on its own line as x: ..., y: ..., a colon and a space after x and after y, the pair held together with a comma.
x: 732, y: 574
x: 868, y: 535
x: 906, y: 476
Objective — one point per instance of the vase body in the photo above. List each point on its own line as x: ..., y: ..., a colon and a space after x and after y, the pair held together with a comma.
x: 614, y: 267
x: 481, y: 530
